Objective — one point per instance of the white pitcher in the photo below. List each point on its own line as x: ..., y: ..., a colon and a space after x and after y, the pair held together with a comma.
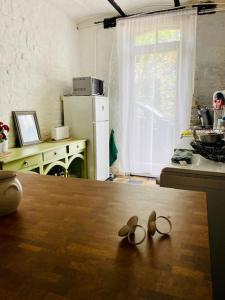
x: 10, y: 192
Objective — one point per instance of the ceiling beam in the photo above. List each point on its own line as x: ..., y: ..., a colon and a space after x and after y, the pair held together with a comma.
x: 176, y: 3
x: 117, y: 8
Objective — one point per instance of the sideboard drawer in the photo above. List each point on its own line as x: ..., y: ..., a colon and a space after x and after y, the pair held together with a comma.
x: 25, y: 163
x: 77, y: 147
x: 54, y: 155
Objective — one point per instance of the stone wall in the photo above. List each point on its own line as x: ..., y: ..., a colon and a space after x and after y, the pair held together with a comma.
x: 210, y: 57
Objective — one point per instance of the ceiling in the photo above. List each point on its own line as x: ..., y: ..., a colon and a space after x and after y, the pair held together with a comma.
x: 81, y: 10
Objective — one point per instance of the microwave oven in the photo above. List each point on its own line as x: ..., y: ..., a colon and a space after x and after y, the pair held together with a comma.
x: 87, y: 86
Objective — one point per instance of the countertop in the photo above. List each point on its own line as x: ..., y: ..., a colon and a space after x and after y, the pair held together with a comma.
x: 199, y: 163
x: 62, y: 243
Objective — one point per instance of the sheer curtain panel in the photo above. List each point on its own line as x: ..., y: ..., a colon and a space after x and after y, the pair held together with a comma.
x: 152, y: 77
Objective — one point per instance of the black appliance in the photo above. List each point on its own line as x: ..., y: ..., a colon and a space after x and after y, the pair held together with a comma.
x: 205, y: 117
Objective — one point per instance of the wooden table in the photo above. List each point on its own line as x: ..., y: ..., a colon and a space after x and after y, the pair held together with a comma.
x: 62, y: 243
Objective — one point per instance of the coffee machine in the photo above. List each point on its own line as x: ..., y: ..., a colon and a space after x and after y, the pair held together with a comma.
x: 205, y: 116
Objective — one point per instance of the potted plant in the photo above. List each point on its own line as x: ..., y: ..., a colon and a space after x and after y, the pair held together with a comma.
x: 4, y: 129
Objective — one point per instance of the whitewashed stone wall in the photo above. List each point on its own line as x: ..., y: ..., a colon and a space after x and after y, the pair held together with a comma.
x: 210, y: 57
x: 38, y: 58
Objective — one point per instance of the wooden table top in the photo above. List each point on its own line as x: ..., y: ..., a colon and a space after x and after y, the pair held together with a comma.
x: 62, y: 243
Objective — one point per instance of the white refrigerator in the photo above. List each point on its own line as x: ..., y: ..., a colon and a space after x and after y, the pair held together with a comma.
x: 88, y: 118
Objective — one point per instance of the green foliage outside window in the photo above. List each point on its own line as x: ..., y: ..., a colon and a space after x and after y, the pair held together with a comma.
x: 162, y: 36
x: 156, y: 71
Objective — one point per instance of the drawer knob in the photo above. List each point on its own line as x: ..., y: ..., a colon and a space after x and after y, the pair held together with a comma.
x: 103, y: 107
x: 77, y: 146
x: 25, y: 163
x: 55, y: 153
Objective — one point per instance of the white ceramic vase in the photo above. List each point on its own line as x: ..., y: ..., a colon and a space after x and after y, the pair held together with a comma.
x: 5, y: 146
x: 10, y: 192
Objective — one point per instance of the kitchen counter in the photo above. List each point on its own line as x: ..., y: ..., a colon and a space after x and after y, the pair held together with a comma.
x: 199, y: 163
x: 62, y: 243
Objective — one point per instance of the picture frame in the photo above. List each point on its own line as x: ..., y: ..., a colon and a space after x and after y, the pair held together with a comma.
x: 27, y: 127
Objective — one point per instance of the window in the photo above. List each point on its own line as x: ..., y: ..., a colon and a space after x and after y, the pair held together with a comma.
x: 155, y: 69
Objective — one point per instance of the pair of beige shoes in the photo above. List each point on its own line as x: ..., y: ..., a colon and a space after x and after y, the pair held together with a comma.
x: 129, y: 229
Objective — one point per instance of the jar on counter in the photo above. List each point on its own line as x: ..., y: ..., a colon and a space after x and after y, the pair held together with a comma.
x: 10, y: 192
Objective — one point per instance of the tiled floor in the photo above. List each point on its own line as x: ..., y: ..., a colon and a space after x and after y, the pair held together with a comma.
x: 136, y: 180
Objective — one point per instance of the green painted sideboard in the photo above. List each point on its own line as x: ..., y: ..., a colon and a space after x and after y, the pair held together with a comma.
x: 49, y: 157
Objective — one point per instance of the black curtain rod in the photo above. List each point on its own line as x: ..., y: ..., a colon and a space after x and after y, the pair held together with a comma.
x: 159, y: 11
x: 111, y: 22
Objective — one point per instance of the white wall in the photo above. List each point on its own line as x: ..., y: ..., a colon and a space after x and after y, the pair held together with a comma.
x: 95, y: 51
x: 38, y: 57
x: 210, y: 54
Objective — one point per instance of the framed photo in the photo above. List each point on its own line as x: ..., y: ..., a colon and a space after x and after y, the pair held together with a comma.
x: 27, y: 127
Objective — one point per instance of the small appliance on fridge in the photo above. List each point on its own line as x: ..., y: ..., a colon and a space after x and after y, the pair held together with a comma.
x: 88, y: 118
x: 87, y: 86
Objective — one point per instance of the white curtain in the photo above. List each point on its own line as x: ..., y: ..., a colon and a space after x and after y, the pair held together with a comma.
x: 151, y: 88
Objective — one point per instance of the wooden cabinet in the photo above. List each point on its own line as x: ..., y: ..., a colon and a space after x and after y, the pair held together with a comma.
x: 44, y: 158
